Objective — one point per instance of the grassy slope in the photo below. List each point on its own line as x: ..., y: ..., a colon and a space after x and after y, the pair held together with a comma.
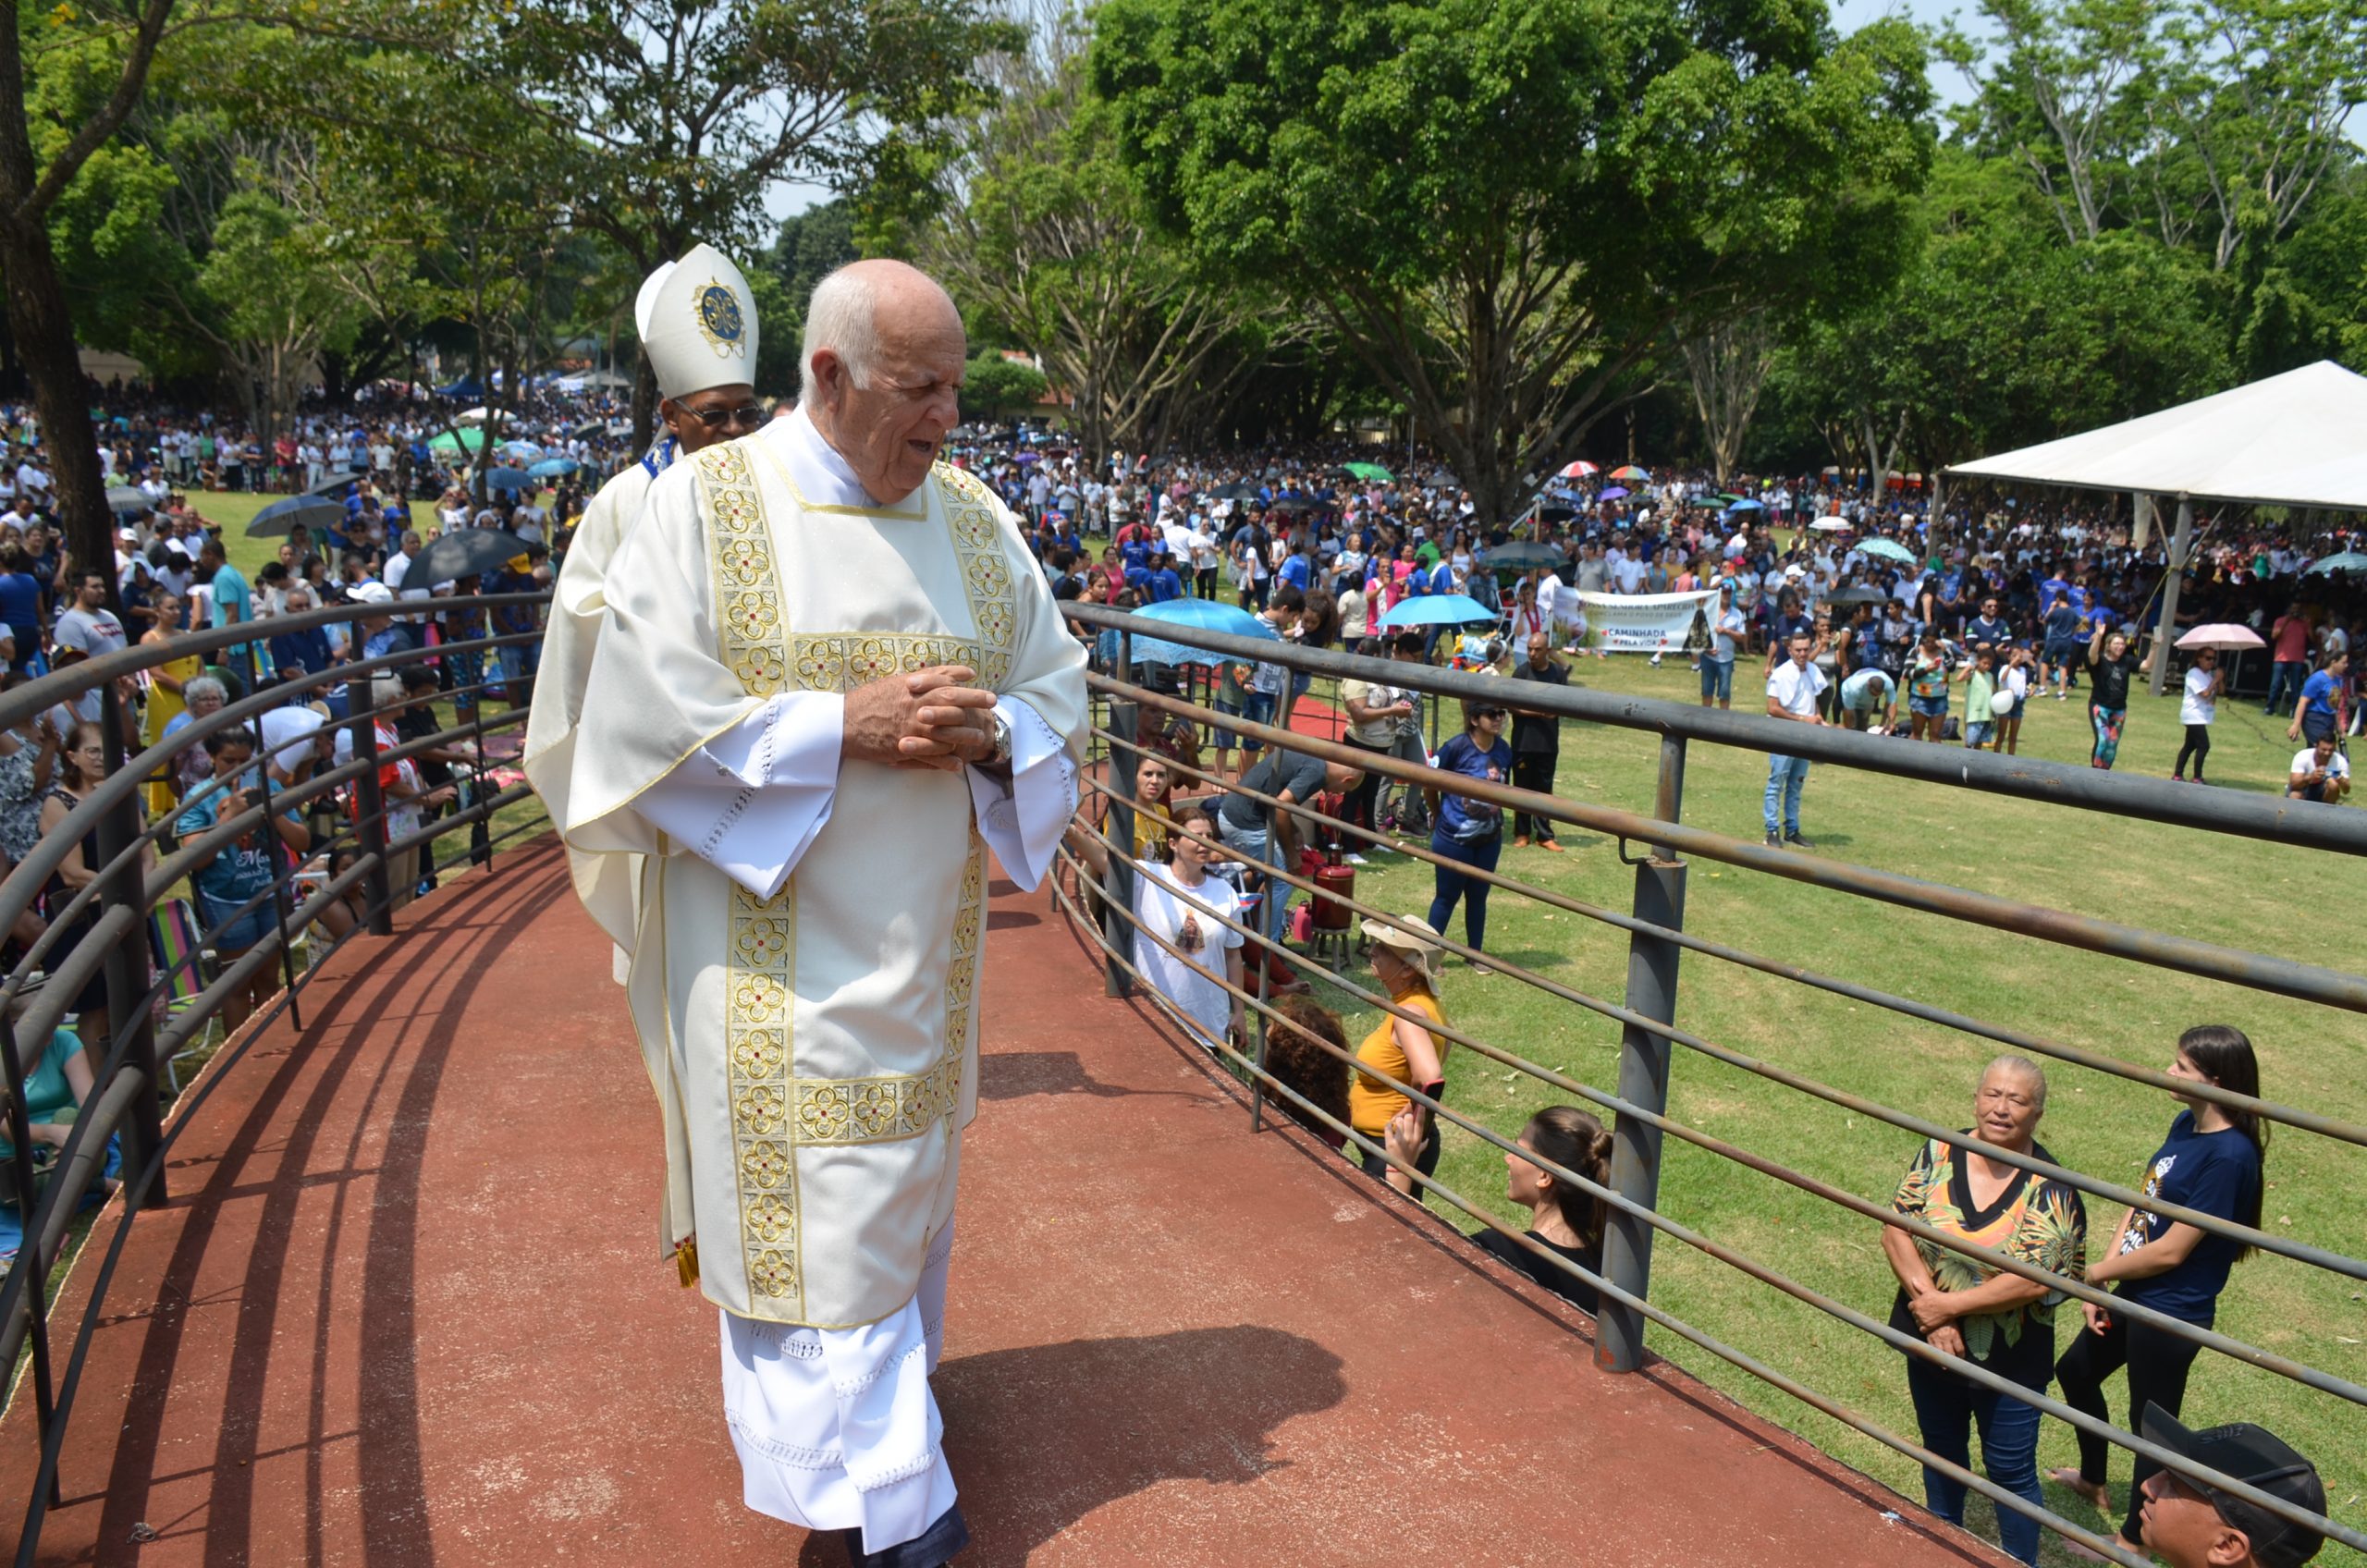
x: 2222, y: 890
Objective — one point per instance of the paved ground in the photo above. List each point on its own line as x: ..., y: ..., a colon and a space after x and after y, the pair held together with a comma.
x: 405, y: 1310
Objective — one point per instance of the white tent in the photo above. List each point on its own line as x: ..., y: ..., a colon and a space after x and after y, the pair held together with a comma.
x: 2299, y: 439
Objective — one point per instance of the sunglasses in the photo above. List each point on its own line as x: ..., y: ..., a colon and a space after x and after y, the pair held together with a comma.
x: 747, y: 416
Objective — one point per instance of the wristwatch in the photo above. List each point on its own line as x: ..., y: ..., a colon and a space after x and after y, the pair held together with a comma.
x: 1001, y: 755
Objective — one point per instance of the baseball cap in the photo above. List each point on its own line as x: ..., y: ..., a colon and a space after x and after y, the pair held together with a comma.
x: 2259, y: 1458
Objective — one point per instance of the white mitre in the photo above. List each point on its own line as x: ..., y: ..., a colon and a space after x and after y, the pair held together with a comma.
x: 698, y: 324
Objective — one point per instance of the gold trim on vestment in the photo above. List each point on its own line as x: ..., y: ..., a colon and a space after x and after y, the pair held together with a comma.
x: 773, y: 1110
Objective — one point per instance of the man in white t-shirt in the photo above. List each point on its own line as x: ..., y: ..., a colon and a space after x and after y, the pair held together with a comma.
x: 2320, y: 773
x: 1793, y: 688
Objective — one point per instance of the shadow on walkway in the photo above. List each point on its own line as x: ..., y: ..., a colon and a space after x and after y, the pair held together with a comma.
x: 409, y: 1308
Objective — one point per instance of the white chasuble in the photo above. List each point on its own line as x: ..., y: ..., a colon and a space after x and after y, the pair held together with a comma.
x: 810, y: 925
x: 607, y: 884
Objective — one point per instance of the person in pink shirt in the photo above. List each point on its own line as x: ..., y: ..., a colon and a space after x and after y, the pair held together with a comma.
x: 2290, y: 640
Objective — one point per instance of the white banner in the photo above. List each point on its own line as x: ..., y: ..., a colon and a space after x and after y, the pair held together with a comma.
x: 1646, y: 623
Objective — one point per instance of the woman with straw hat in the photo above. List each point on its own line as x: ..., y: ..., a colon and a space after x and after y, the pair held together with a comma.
x: 1407, y: 961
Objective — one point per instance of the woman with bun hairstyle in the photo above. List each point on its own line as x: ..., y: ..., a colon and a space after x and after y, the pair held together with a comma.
x: 1566, y: 1219
x: 2210, y: 1162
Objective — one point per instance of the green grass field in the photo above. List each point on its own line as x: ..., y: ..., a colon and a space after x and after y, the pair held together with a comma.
x: 2223, y: 890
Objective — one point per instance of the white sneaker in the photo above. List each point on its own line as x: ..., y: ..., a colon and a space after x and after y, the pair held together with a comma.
x: 1656, y: 661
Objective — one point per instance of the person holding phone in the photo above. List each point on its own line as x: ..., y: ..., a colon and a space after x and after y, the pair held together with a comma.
x: 2320, y: 773
x: 2211, y: 1162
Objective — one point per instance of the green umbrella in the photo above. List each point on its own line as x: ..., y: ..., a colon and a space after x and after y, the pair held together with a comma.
x: 1372, y: 471
x: 1888, y: 550
x: 1729, y: 500
x: 471, y: 439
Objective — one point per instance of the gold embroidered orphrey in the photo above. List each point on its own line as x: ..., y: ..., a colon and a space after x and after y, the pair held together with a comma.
x: 773, y: 1110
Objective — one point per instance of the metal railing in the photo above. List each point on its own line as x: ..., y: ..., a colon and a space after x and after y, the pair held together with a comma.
x: 1648, y: 1035
x: 132, y: 1063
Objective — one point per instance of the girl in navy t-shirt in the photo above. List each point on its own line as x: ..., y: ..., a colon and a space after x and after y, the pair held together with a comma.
x: 2211, y: 1163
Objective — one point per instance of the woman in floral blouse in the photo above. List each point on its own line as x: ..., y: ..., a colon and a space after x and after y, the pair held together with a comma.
x: 1999, y: 1321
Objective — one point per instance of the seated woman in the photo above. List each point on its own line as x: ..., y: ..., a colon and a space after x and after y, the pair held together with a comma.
x: 242, y: 870
x: 1399, y: 1051
x: 1182, y: 914
x: 1295, y: 1055
x: 1565, y: 1220
x: 1965, y: 1307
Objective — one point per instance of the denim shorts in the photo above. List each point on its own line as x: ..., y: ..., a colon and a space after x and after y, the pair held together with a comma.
x: 1717, y: 677
x: 240, y: 934
x: 1981, y: 733
x: 1930, y: 707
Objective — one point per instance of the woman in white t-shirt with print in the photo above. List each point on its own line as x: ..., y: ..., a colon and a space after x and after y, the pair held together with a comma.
x: 1186, y: 918
x: 2197, y: 708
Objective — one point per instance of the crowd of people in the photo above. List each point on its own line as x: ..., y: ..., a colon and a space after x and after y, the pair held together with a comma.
x: 172, y: 576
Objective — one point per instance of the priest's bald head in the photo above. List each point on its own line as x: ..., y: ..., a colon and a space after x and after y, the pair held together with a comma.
x: 884, y: 355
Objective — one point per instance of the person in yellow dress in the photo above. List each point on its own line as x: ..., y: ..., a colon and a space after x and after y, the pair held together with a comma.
x: 165, y: 699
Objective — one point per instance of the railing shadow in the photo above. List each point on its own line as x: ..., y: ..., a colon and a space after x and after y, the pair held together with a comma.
x: 465, y: 934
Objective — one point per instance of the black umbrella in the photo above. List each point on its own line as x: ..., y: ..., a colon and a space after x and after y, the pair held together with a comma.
x: 1860, y: 596
x: 284, y: 517
x: 1555, y: 514
x: 463, y: 552
x: 1236, y: 492
x: 1293, y: 504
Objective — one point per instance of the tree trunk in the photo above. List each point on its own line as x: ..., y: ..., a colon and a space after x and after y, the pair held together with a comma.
x: 644, y: 400
x: 45, y: 340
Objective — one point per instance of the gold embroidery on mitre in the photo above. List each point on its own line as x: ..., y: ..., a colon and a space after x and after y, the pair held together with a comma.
x: 720, y: 321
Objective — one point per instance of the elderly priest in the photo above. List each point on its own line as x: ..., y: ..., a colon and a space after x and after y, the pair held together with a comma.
x: 829, y: 680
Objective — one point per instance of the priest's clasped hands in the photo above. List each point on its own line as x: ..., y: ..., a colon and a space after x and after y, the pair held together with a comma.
x: 930, y: 718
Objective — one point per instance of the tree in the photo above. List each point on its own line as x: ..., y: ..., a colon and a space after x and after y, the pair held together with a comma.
x: 810, y: 246
x: 1504, y: 206
x: 1727, y: 363
x: 1042, y: 233
x: 671, y: 119
x: 43, y: 145
x: 994, y: 385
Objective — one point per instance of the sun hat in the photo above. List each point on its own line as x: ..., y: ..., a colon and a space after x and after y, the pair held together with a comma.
x: 1413, y: 941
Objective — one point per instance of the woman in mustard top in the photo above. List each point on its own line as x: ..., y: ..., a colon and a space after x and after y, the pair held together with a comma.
x: 164, y: 702
x: 1408, y: 964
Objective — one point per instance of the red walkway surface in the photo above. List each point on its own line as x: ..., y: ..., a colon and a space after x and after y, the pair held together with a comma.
x: 404, y: 1309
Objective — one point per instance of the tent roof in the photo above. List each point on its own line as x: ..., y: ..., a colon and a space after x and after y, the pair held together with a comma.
x: 2296, y: 439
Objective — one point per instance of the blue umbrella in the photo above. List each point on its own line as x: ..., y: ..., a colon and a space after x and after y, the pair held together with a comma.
x: 554, y: 468
x: 506, y: 479
x: 1744, y: 506
x: 522, y: 449
x: 1437, y: 610
x: 1209, y: 615
x: 2347, y: 560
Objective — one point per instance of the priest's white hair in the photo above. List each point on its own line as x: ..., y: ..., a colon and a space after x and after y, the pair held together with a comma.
x: 843, y: 316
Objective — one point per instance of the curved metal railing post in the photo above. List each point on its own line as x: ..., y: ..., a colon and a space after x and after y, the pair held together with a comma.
x: 127, y: 963
x: 376, y: 882
x: 1643, y: 1076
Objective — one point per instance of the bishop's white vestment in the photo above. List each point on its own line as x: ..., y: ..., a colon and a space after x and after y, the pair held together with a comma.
x: 607, y: 884
x: 810, y: 926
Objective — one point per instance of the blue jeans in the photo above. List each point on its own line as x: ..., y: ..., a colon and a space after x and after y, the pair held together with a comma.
x: 1471, y: 891
x: 1785, y: 777
x: 2284, y: 680
x: 1257, y: 707
x: 1946, y: 1406
x: 1255, y: 847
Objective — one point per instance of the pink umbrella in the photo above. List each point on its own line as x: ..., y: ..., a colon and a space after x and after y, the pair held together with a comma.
x: 2222, y: 635
x: 1580, y: 470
